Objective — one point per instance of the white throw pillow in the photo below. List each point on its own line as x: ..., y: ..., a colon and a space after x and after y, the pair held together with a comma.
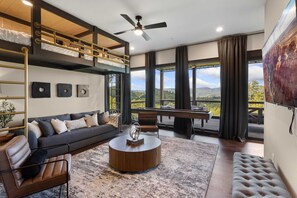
x: 92, y: 120
x: 114, y: 120
x: 76, y: 124
x: 33, y: 126
x: 59, y: 126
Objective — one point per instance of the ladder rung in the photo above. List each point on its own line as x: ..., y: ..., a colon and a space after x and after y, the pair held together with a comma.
x: 12, y: 128
x: 12, y: 82
x: 12, y: 67
x: 13, y: 113
x: 12, y: 52
x: 12, y: 98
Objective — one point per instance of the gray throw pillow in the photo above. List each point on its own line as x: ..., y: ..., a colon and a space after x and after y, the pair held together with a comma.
x: 103, y: 117
x: 46, y: 128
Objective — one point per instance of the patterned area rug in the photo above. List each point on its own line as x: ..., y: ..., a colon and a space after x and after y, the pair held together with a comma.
x: 185, y: 171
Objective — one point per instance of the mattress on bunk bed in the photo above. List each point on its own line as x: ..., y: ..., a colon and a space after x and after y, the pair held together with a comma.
x: 15, y: 36
x: 106, y: 62
x: 60, y: 50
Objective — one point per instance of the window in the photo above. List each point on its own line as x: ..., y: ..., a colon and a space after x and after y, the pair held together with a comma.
x: 208, y: 88
x: 256, y: 100
x: 138, y: 89
x: 114, y: 93
x: 165, y: 87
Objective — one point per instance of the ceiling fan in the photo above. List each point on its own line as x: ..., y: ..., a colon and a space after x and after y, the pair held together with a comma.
x: 138, y: 28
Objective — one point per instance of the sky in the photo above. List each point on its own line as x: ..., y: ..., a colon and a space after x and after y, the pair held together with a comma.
x: 206, y: 77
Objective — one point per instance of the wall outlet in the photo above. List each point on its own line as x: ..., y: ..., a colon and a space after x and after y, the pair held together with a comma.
x: 272, y: 157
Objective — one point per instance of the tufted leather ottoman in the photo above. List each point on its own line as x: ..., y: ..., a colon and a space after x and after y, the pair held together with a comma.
x: 254, y: 176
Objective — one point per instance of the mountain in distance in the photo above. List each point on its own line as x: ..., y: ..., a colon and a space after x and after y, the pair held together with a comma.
x: 208, y: 92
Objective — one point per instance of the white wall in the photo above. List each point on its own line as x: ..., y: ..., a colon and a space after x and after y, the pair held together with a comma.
x: 54, y: 105
x: 196, y: 52
x: 277, y: 140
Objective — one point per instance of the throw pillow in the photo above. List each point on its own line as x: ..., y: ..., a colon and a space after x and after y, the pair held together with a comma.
x: 59, y: 126
x: 92, y: 120
x: 46, y: 128
x: 114, y: 120
x: 33, y: 126
x: 76, y: 124
x: 37, y: 157
x: 103, y: 117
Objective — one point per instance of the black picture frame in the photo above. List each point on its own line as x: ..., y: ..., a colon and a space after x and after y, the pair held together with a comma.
x: 41, y: 90
x: 64, y: 90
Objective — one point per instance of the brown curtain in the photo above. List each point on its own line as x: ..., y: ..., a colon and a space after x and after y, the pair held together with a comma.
x: 150, y: 63
x: 182, y: 91
x: 234, y: 87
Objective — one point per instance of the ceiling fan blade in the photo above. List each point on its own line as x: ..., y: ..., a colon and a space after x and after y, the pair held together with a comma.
x: 128, y: 19
x: 156, y: 25
x: 145, y: 36
x: 121, y: 32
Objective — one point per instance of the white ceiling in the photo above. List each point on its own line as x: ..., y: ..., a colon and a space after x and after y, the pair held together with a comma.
x: 188, y: 21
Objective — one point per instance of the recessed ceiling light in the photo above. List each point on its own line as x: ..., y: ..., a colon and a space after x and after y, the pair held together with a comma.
x: 27, y: 3
x: 219, y: 29
x: 132, y: 48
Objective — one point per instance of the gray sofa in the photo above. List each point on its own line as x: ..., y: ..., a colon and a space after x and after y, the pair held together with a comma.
x: 76, y: 139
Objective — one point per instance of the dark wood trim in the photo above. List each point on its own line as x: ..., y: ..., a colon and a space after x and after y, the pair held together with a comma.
x: 127, y: 52
x: 83, y: 34
x: 207, y: 60
x: 64, y: 15
x: 164, y: 65
x: 194, y: 86
x: 102, y: 32
x: 13, y: 46
x: 15, y: 19
x: 106, y: 92
x: 36, y: 30
x: 116, y: 46
x: 161, y: 87
x: 137, y: 68
x: 254, y: 55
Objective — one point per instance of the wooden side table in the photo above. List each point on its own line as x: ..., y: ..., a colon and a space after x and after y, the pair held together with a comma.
x: 6, y: 138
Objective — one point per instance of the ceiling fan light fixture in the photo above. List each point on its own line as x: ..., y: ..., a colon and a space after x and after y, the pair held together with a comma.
x: 138, y: 32
x: 219, y: 29
x: 27, y: 3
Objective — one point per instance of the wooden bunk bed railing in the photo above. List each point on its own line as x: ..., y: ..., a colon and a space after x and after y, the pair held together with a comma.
x: 83, y: 47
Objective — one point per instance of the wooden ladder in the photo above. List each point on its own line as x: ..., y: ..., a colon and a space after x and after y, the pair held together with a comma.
x: 24, y: 53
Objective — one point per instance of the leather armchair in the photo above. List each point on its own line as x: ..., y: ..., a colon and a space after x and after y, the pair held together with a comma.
x: 54, y: 172
x: 148, y: 122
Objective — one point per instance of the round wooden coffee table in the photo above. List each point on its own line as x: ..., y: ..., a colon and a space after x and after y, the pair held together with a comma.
x: 123, y: 157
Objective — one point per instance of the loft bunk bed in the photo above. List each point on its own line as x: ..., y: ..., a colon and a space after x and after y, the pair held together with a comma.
x: 59, y: 40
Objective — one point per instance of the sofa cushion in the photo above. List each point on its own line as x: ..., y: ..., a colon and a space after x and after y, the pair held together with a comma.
x: 74, y: 135
x: 59, y: 126
x: 76, y: 124
x: 34, y: 127
x: 60, y: 117
x: 103, y: 117
x: 76, y: 116
x: 37, y: 157
x: 92, y: 120
x: 46, y: 128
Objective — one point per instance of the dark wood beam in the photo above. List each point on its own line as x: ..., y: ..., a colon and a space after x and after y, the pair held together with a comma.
x: 35, y: 26
x: 254, y: 55
x: 83, y: 34
x: 65, y: 15
x: 116, y: 46
x: 102, y: 32
x: 12, y: 18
